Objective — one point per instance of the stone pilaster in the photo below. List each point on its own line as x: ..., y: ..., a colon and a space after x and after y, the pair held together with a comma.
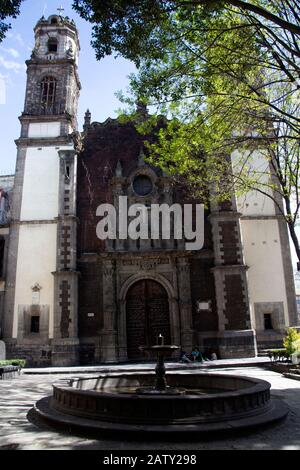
x: 236, y: 338
x: 185, y: 303
x: 13, y: 245
x: 117, y: 185
x: 109, y: 332
x: 65, y: 342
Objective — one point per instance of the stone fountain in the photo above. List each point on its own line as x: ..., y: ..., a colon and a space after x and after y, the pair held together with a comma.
x: 142, y: 403
x: 161, y: 351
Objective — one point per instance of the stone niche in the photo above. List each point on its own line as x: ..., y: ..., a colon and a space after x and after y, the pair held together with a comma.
x: 33, y: 324
x: 275, y: 309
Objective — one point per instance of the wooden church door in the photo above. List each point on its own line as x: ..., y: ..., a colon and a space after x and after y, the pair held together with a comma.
x: 147, y: 316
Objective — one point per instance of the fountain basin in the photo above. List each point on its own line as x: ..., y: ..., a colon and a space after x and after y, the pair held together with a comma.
x: 208, y: 402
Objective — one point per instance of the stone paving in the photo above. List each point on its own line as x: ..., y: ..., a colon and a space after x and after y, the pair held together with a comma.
x: 17, y: 397
x: 219, y: 363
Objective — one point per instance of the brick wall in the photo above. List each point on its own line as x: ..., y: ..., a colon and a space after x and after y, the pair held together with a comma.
x: 203, y: 289
x: 229, y: 240
x: 236, y: 308
x: 90, y: 299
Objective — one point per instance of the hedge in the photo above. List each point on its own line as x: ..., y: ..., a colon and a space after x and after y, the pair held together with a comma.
x: 14, y: 362
x: 277, y: 354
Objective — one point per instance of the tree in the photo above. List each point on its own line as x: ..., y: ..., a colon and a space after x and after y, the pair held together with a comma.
x: 8, y: 8
x: 228, y: 74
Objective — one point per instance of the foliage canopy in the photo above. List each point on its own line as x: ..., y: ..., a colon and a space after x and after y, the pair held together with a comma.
x: 228, y: 74
x: 8, y: 8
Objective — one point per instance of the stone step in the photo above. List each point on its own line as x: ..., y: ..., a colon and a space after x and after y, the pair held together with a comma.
x: 289, y: 375
x: 295, y: 371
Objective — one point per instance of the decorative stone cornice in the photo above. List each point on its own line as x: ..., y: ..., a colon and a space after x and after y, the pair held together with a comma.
x: 57, y: 61
x: 36, y: 287
x: 70, y: 272
x: 224, y: 215
x: 142, y: 256
x: 48, y: 142
x: 33, y: 222
x: 47, y: 118
x: 230, y: 268
x: 66, y: 218
x: 262, y: 217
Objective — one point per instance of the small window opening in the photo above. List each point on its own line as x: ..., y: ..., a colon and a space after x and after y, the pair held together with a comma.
x: 35, y: 324
x: 268, y: 321
x: 67, y: 174
x: 52, y: 45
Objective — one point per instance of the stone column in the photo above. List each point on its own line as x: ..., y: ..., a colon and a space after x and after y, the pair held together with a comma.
x: 185, y: 303
x: 117, y: 185
x: 65, y: 341
x: 122, y: 336
x: 109, y: 332
x: 175, y: 321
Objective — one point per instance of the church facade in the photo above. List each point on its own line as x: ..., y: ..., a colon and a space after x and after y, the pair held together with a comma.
x: 68, y: 297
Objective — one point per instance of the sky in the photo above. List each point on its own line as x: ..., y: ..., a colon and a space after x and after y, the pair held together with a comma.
x: 100, y: 80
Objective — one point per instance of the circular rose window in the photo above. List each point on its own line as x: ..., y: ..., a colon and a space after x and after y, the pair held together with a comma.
x: 142, y: 185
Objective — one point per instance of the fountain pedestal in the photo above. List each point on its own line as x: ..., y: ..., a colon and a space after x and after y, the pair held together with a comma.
x: 161, y: 386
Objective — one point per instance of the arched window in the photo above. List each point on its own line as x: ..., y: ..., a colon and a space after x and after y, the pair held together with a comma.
x: 52, y: 45
x: 48, y: 92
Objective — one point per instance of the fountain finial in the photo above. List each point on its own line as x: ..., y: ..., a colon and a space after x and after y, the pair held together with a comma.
x: 161, y: 340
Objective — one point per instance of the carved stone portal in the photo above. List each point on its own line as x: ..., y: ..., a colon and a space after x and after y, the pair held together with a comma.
x: 142, y: 300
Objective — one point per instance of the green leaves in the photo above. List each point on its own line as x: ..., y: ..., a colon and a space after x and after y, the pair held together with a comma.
x: 8, y: 8
x: 226, y: 74
x: 292, y: 341
x: 125, y: 26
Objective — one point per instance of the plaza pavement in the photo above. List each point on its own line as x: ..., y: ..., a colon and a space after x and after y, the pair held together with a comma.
x: 17, y: 397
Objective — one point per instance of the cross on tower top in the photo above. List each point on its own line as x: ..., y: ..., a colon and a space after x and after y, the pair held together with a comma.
x: 61, y: 10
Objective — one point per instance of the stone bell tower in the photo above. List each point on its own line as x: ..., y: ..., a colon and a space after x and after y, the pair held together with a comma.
x: 53, y: 84
x: 40, y: 304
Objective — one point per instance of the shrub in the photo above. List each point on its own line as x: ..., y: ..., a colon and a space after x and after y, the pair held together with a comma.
x: 277, y: 354
x: 14, y: 362
x: 292, y: 341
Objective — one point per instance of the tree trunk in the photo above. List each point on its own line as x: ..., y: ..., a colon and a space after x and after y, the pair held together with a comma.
x: 295, y: 240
